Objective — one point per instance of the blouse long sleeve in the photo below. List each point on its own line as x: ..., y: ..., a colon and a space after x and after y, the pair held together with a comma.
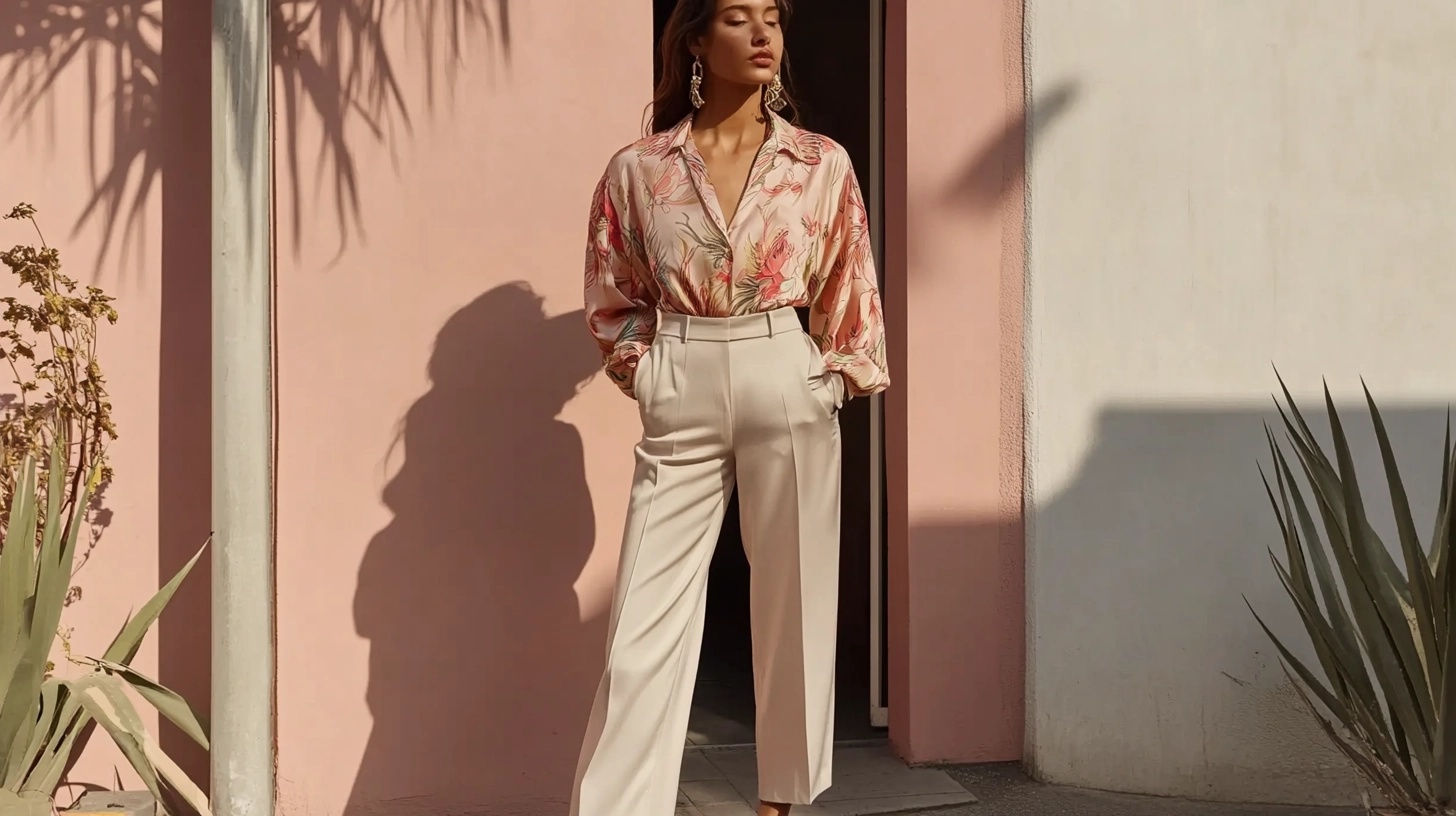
x: 847, y: 320
x: 621, y: 310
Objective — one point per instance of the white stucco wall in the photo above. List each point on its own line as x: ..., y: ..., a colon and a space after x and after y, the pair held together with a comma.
x: 1232, y: 183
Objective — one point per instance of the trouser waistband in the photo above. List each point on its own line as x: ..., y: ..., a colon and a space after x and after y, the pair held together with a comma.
x: 727, y: 329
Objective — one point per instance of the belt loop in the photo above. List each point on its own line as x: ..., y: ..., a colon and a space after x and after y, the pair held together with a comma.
x: 683, y: 328
x: 772, y: 329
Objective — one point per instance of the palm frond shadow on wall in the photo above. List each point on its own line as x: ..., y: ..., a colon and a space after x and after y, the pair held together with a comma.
x: 337, y: 61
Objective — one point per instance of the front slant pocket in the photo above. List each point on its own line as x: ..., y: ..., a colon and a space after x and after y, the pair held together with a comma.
x: 818, y: 379
x: 642, y: 378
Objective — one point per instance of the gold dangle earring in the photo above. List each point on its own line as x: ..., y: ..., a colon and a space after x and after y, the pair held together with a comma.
x: 773, y: 95
x: 695, y: 90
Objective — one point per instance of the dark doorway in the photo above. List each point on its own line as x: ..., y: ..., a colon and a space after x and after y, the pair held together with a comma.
x: 830, y: 61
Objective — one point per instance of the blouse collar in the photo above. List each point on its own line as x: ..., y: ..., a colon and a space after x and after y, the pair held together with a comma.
x: 785, y: 137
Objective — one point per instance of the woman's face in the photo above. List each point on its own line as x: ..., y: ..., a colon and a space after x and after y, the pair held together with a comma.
x: 744, y: 42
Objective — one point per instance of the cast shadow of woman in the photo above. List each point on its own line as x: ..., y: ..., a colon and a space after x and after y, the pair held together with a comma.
x: 481, y: 669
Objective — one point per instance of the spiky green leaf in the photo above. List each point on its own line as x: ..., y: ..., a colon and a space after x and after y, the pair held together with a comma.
x: 105, y: 699
x: 25, y: 804
x: 1348, y: 714
x: 1385, y: 588
x: 1369, y: 628
x: 129, y: 640
x: 20, y: 623
x: 168, y: 703
x: 1334, y: 603
x: 1417, y: 568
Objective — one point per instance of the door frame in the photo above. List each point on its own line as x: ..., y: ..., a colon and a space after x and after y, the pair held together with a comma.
x: 879, y: 702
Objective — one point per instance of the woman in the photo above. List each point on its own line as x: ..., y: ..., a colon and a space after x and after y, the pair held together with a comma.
x: 704, y: 237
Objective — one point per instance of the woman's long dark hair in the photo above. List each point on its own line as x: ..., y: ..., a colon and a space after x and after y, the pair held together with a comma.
x: 690, y: 20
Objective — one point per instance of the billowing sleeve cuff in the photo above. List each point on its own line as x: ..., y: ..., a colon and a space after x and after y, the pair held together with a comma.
x: 863, y: 374
x: 621, y: 311
x: 848, y: 321
x: 621, y: 364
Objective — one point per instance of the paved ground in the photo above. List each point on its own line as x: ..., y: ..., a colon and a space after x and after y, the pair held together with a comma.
x: 1003, y: 790
x: 868, y: 779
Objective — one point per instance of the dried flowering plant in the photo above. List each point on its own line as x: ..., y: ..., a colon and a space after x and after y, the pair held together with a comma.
x: 48, y: 337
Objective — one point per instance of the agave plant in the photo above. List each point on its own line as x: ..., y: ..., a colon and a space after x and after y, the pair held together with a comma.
x: 42, y: 716
x: 1382, y: 635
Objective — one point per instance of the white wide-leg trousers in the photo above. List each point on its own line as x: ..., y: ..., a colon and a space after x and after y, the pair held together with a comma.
x: 723, y: 399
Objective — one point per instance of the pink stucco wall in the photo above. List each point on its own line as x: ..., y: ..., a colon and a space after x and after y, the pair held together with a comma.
x: 954, y: 255
x: 452, y: 474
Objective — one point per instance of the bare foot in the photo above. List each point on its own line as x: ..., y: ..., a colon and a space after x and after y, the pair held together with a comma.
x: 773, y: 809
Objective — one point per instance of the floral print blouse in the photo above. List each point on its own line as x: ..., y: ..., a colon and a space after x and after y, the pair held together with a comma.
x: 658, y: 241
